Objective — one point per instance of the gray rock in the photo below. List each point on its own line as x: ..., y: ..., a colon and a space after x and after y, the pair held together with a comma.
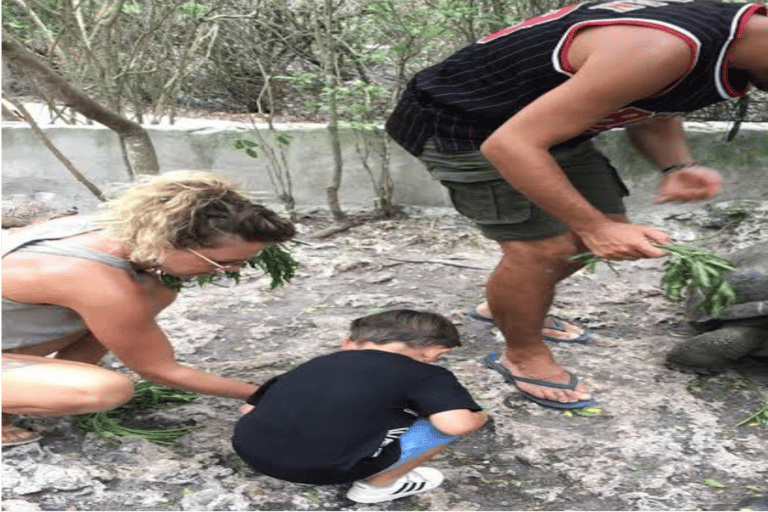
x: 19, y: 506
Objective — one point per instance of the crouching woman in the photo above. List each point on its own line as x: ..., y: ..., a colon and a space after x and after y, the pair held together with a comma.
x: 79, y: 287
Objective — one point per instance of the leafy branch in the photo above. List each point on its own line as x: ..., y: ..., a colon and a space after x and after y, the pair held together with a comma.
x: 274, y: 260
x: 687, y: 269
x: 147, y: 395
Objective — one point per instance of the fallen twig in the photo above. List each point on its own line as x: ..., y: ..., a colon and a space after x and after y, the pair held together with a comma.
x: 441, y: 262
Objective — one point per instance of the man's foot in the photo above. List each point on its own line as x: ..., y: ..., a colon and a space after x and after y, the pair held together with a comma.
x: 558, y: 330
x: 14, y: 436
x: 558, y: 389
x: 416, y: 481
x: 555, y: 329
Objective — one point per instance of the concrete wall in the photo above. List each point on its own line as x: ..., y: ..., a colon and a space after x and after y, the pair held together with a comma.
x: 31, y: 170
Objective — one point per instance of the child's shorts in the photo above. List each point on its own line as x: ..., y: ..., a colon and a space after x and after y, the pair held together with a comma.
x: 418, y: 440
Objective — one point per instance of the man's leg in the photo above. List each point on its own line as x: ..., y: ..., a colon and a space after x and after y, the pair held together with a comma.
x: 535, y: 250
x: 553, y: 326
x: 520, y: 292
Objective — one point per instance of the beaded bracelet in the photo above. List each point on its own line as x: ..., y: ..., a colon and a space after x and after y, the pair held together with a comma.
x: 677, y: 167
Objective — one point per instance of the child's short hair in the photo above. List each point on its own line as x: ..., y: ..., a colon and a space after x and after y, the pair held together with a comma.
x: 414, y: 328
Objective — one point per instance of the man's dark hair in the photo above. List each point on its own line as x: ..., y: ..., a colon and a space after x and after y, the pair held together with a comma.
x: 414, y: 328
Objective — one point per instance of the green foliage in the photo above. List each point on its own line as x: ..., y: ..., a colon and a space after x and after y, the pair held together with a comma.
x: 247, y: 146
x: 688, y: 268
x: 274, y: 151
x: 692, y: 268
x: 131, y: 8
x: 274, y: 260
x: 713, y: 483
x: 147, y: 396
x: 759, y: 417
x: 14, y: 19
x: 192, y: 9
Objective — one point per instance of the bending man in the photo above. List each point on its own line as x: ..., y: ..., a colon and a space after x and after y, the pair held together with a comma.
x: 505, y: 125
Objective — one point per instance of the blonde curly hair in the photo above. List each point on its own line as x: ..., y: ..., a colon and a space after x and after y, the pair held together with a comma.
x: 188, y: 209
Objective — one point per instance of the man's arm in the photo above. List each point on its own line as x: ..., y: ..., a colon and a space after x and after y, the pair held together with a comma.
x: 664, y: 144
x: 614, y: 67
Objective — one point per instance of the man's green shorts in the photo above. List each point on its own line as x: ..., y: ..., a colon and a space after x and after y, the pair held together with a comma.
x: 478, y: 191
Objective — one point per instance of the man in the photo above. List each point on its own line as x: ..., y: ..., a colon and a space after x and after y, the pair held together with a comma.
x: 505, y: 124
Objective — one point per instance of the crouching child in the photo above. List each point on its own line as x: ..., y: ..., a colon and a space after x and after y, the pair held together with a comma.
x: 370, y: 414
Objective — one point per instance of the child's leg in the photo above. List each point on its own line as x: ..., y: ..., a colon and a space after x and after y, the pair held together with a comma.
x: 388, y: 476
x: 418, y: 444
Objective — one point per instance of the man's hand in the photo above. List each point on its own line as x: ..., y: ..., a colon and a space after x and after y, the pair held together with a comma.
x: 619, y: 241
x: 689, y: 184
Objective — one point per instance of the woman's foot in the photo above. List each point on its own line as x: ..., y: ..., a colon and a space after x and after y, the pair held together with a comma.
x: 14, y: 436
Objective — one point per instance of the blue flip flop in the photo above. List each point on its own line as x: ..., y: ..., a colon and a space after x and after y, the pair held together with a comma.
x: 474, y: 315
x: 492, y: 362
x: 556, y: 324
x: 559, y: 325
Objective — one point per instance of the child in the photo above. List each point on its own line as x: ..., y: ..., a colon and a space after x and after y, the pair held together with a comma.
x: 370, y: 414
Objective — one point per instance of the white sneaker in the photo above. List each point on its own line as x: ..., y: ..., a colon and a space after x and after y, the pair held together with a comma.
x: 415, y: 481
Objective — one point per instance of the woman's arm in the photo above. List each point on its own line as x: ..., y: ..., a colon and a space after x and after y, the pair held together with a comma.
x: 120, y: 312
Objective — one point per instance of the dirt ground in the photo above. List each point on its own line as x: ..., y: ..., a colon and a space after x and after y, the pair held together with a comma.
x: 660, y: 439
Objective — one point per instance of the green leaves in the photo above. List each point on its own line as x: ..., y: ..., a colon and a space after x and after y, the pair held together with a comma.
x: 247, y: 146
x: 192, y: 9
x: 274, y: 260
x: 713, y: 483
x: 687, y: 269
x: 759, y: 417
x: 692, y: 268
x: 147, y: 395
x: 277, y: 262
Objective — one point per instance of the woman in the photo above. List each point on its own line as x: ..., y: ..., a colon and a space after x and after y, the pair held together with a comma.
x: 79, y: 287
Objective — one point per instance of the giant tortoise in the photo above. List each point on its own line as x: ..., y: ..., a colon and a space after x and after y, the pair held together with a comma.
x: 741, y: 330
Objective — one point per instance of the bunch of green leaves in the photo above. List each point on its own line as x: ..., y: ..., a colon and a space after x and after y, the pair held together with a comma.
x: 147, y: 396
x: 692, y: 268
x: 688, y: 268
x: 759, y: 417
x: 274, y: 260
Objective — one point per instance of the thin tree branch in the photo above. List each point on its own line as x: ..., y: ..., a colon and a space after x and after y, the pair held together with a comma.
x: 53, y: 149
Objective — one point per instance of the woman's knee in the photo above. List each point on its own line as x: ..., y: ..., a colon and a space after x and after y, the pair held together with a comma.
x: 93, y: 393
x: 40, y: 386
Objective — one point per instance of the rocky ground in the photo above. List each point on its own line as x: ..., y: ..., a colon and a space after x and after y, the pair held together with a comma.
x: 660, y: 439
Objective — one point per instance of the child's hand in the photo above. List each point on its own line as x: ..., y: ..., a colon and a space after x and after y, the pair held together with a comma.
x: 246, y: 408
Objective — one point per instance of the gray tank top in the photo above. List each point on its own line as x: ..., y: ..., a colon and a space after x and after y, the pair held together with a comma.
x: 26, y: 325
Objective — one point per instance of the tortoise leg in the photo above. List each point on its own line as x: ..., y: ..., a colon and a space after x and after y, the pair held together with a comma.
x: 715, y: 350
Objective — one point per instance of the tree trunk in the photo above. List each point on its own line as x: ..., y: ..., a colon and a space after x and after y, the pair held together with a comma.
x: 333, y: 124
x: 139, y: 151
